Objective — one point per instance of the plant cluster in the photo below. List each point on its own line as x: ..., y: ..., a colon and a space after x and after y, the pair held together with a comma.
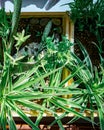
x: 88, y: 19
x: 89, y: 14
x: 38, y: 85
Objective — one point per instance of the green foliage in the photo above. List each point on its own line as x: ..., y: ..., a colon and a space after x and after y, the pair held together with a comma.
x: 56, y: 53
x: 88, y: 17
x: 20, y: 38
x: 46, y: 31
x: 26, y: 83
x: 87, y: 10
x: 21, y: 83
x: 4, y: 25
x: 92, y: 84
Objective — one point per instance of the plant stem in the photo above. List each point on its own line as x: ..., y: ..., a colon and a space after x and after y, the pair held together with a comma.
x: 15, y: 21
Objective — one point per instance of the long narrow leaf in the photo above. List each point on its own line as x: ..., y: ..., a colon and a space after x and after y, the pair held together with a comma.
x: 22, y: 115
x: 19, y: 86
x: 12, y: 125
x: 69, y: 110
x: 101, y: 118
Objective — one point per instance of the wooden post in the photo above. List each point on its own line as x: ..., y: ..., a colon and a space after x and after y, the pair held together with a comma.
x: 69, y: 33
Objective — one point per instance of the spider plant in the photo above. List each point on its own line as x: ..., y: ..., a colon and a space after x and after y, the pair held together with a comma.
x: 9, y: 77
x: 92, y: 84
x: 23, y: 87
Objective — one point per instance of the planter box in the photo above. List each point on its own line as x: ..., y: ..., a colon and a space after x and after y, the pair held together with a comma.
x: 59, y: 19
x: 78, y: 125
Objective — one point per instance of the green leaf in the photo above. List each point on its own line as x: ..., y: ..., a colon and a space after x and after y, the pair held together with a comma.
x: 87, y: 59
x: 59, y: 122
x: 31, y: 105
x: 21, y: 38
x: 68, y: 102
x: 24, y: 82
x: 70, y: 76
x: 11, y: 122
x: 70, y: 110
x: 47, y: 30
x: 101, y: 118
x: 22, y: 115
x: 3, y: 119
x: 27, y: 95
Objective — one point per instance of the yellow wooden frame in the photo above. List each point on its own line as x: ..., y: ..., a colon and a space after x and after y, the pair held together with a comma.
x: 68, y: 26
